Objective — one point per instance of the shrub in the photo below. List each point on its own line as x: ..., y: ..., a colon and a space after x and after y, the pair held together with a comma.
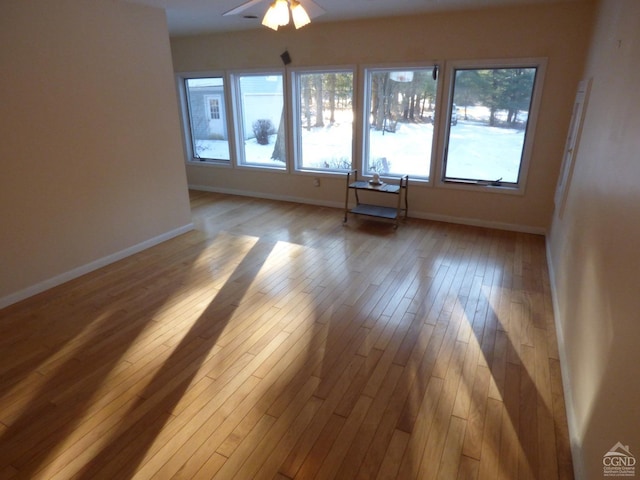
x: 262, y: 129
x: 379, y: 165
x: 342, y: 163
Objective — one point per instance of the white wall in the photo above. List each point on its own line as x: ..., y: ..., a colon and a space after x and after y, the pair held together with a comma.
x: 559, y: 32
x: 594, y: 250
x: 90, y: 148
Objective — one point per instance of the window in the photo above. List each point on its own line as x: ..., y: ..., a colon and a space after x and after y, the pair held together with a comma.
x: 214, y: 107
x: 490, y: 123
x: 259, y: 115
x: 481, y: 124
x: 323, y: 119
x: 206, y: 128
x: 398, y: 126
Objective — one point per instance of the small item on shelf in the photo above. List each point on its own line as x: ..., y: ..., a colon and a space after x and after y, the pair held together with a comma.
x: 375, y: 180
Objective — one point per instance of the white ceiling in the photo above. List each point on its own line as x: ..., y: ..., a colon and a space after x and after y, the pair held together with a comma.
x: 188, y: 17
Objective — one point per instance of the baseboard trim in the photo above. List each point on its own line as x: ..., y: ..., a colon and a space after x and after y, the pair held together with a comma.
x: 480, y: 223
x: 90, y: 267
x: 266, y: 196
x: 578, y: 470
x: 414, y: 214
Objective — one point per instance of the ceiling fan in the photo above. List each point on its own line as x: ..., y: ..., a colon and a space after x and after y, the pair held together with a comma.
x: 277, y: 15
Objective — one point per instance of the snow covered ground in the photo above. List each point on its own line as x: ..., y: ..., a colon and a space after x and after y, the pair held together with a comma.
x: 480, y: 152
x: 476, y: 150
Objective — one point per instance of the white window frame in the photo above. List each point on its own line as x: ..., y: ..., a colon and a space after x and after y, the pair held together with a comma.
x: 365, y: 102
x: 236, y: 102
x: 295, y: 116
x: 187, y: 139
x: 445, y: 114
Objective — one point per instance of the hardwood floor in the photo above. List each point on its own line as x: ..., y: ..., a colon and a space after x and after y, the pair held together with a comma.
x: 275, y: 343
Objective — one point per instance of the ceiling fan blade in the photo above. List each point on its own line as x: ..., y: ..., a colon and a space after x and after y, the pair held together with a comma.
x: 312, y: 8
x: 241, y: 8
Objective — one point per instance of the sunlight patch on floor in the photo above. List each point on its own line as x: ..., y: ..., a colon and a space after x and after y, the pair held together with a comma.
x: 49, y: 368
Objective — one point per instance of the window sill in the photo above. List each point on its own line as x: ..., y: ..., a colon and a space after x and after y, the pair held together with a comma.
x: 485, y: 187
x: 209, y: 163
x: 262, y: 168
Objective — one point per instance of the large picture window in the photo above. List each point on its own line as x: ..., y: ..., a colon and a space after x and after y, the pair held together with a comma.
x: 490, y: 115
x: 323, y: 119
x: 398, y: 127
x: 208, y: 137
x: 479, y: 116
x: 260, y: 120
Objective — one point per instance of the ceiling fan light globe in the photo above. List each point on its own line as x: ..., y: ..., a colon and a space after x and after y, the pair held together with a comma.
x: 270, y: 18
x: 299, y: 14
x: 281, y: 8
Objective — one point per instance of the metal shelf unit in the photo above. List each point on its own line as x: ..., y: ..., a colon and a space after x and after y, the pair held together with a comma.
x: 400, y: 189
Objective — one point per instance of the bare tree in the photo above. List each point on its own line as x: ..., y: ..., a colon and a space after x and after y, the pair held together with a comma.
x: 319, y: 100
x: 331, y: 80
x: 279, y: 149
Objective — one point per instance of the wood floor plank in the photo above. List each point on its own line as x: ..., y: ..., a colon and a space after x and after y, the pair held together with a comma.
x: 346, y: 436
x: 490, y: 456
x: 175, y: 448
x: 412, y: 459
x: 360, y: 445
x: 479, y: 395
x: 528, y: 461
x: 176, y: 456
x: 393, y: 456
x: 275, y: 342
x: 208, y: 470
x: 548, y: 458
x: 464, y: 397
x: 278, y: 441
x: 434, y: 448
x: 408, y: 417
x: 246, y: 447
x: 302, y: 448
x: 469, y: 468
x: 312, y: 463
x: 510, y: 449
x: 451, y: 456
